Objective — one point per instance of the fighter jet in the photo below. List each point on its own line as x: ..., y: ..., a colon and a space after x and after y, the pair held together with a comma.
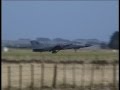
x: 55, y: 47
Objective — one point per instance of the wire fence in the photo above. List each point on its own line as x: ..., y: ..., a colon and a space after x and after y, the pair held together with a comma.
x: 44, y: 75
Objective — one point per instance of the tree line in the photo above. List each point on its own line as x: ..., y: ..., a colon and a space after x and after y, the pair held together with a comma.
x: 114, y: 40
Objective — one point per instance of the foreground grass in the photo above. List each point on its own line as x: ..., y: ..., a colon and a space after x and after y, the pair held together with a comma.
x: 96, y: 87
x: 101, y: 79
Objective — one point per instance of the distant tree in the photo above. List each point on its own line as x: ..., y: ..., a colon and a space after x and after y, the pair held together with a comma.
x: 114, y: 40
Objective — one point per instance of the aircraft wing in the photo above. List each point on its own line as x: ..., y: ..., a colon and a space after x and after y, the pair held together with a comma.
x: 59, y: 47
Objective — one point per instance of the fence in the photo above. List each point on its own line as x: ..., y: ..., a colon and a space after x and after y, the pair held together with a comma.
x: 46, y: 75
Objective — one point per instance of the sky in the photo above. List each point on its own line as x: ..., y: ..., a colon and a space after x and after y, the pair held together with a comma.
x: 59, y: 19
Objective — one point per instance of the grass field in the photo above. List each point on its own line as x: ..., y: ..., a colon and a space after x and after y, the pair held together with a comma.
x: 67, y: 55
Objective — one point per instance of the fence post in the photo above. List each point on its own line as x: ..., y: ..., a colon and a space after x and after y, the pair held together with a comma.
x: 64, y: 75
x: 82, y: 76
x: 20, y: 77
x: 32, y: 76
x: 9, y: 78
x: 114, y: 76
x: 42, y: 75
x: 55, y: 76
x: 92, y: 77
x: 74, y: 75
x: 102, y: 75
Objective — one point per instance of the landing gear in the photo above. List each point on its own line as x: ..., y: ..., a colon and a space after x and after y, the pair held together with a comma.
x: 75, y: 50
x: 54, y: 51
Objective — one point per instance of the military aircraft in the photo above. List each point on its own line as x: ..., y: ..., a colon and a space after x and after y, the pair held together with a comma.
x: 55, y: 47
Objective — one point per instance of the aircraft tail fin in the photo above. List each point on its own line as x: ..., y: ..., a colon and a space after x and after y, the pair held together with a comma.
x: 35, y: 44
